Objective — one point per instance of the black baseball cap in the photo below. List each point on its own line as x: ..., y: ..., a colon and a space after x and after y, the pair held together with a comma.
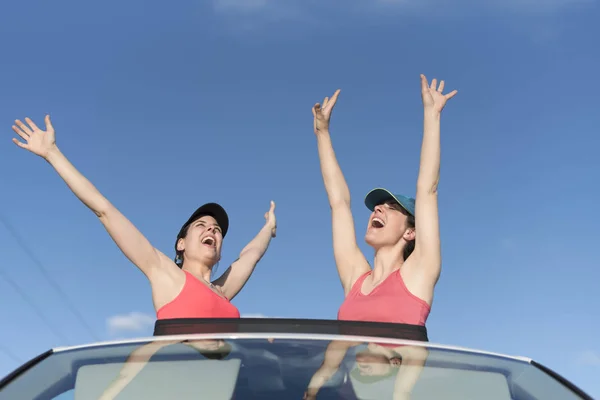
x: 212, y: 209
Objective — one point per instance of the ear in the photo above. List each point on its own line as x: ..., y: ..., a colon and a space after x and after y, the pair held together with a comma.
x: 396, y: 361
x: 180, y: 245
x: 410, y: 234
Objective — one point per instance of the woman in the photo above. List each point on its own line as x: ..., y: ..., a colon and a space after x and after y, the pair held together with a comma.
x: 372, y: 365
x: 140, y: 358
x: 403, y: 232
x: 180, y: 289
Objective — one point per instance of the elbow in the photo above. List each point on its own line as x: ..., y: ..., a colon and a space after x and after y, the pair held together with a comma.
x: 251, y: 256
x: 340, y: 202
x: 428, y: 186
x: 103, y: 209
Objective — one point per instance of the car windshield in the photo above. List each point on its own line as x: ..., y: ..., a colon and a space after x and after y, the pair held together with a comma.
x: 280, y: 366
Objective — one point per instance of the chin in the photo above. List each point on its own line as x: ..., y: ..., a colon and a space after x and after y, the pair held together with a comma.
x: 377, y: 242
x: 371, y: 241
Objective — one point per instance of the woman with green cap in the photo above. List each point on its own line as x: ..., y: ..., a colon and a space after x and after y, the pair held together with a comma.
x: 404, y: 232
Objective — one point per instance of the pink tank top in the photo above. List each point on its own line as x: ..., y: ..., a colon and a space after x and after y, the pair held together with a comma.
x: 196, y: 300
x: 390, y: 302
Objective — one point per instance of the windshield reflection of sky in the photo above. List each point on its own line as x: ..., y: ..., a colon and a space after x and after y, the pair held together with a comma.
x: 280, y: 368
x: 272, y: 367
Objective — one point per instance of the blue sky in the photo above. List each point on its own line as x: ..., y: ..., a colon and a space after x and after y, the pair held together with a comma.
x: 164, y: 108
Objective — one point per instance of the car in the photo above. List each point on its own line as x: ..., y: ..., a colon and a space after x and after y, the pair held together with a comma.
x: 265, y: 358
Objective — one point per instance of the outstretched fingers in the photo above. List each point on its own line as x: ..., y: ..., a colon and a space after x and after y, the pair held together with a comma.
x: 271, y: 211
x: 24, y: 135
x: 48, y: 122
x: 31, y: 124
x: 451, y: 94
x: 327, y: 106
x: 24, y: 128
x: 424, y: 84
x: 334, y: 98
x: 441, y: 87
x: 433, y: 84
x: 270, y: 216
x: 20, y: 144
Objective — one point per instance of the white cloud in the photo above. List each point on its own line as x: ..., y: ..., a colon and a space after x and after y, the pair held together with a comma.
x: 254, y: 316
x: 589, y: 358
x: 132, y: 322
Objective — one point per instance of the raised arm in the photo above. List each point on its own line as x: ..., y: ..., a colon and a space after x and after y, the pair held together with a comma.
x: 334, y: 355
x: 349, y: 259
x: 134, y: 364
x: 413, y: 363
x: 131, y: 242
x: 427, y: 242
x: 236, y: 276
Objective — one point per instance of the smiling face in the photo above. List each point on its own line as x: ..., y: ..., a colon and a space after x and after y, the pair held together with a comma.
x: 374, y: 364
x: 389, y: 226
x: 202, y: 241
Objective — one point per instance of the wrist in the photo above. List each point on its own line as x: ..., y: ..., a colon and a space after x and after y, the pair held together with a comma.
x: 52, y: 154
x: 430, y: 113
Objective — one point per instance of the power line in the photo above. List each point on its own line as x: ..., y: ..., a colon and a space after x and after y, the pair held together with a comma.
x: 11, y: 355
x: 48, y: 276
x: 25, y: 297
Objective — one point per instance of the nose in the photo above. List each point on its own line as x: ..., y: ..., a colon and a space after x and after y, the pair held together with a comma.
x: 212, y: 229
x: 378, y: 208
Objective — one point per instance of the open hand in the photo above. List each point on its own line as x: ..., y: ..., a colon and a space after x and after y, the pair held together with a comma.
x: 322, y: 113
x: 271, y: 221
x: 36, y: 140
x: 433, y: 99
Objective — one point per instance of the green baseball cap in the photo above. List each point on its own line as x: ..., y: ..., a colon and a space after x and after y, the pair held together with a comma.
x: 380, y: 195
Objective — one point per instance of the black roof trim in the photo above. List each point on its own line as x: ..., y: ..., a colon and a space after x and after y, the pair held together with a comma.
x: 185, y: 326
x: 562, y: 380
x: 23, y: 368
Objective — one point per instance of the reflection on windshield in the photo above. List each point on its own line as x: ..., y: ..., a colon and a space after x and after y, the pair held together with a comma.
x: 373, y: 365
x: 140, y: 357
x: 284, y: 368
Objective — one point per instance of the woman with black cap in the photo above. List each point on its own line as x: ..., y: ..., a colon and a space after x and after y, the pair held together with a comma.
x: 180, y: 289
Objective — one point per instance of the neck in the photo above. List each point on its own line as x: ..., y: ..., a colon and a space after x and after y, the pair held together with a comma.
x: 198, y: 269
x: 387, y: 260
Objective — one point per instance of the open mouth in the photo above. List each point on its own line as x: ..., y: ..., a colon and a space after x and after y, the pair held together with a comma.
x: 377, y: 223
x: 209, y: 241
